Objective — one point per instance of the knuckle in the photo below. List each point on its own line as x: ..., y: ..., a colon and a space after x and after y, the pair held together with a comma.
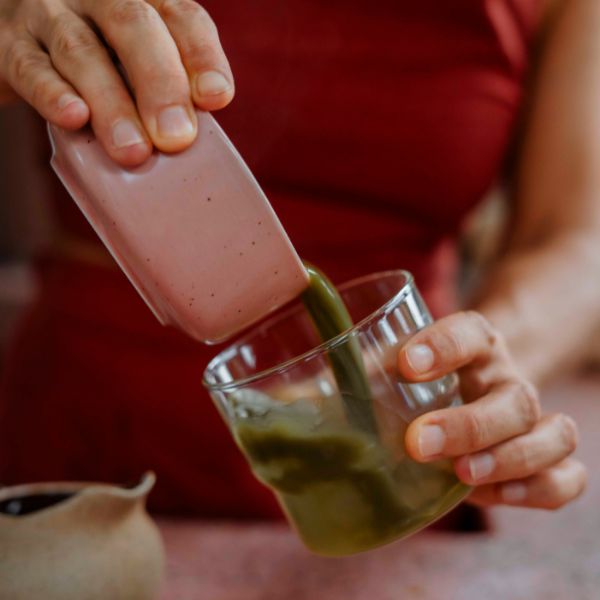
x: 205, y: 36
x: 18, y: 60
x: 69, y: 38
x: 198, y: 47
x: 105, y: 98
x: 125, y: 12
x: 22, y: 63
x: 474, y: 431
x: 201, y: 54
x: 8, y: 44
x: 167, y: 82
x: 528, y: 402
x: 568, y: 431
x: 170, y: 9
x: 204, y: 19
x: 447, y: 344
x: 522, y: 455
x: 492, y: 335
x: 41, y: 92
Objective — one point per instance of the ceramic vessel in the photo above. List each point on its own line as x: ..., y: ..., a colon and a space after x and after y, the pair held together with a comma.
x: 193, y: 231
x: 94, y: 541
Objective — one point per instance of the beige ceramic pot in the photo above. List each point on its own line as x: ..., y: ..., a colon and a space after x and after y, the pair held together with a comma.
x: 94, y: 541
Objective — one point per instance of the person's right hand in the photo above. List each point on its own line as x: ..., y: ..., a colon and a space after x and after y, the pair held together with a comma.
x: 53, y: 53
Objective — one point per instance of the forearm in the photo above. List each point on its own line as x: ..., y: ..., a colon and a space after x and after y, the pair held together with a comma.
x: 544, y: 293
x: 546, y: 302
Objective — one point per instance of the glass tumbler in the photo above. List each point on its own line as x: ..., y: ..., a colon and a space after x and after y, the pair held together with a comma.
x: 335, y: 461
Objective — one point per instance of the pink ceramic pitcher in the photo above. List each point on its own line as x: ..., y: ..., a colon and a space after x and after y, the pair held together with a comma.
x: 193, y: 231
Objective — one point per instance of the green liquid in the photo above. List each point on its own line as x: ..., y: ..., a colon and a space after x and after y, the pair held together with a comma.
x: 342, y: 491
x: 339, y: 485
x: 331, y: 317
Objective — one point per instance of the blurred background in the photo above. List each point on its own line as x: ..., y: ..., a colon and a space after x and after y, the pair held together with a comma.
x: 26, y: 221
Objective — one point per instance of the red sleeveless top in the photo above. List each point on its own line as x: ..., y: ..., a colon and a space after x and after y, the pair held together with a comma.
x: 374, y: 127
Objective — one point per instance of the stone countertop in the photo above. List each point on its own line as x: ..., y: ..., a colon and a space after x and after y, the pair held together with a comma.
x: 529, y: 555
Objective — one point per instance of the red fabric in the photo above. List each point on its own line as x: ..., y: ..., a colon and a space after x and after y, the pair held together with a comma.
x: 374, y: 128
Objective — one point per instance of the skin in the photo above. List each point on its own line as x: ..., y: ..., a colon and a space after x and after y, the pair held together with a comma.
x: 52, y: 58
x: 501, y: 441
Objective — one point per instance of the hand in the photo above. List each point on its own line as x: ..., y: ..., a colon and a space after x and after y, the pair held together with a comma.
x: 54, y: 54
x: 498, y: 440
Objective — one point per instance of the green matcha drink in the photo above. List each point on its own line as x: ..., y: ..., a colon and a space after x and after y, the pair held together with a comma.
x: 327, y: 437
x: 343, y: 492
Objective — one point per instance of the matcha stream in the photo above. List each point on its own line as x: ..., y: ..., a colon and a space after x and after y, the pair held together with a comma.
x: 331, y: 318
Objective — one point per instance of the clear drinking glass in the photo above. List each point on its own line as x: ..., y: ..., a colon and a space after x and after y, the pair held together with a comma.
x: 336, y: 462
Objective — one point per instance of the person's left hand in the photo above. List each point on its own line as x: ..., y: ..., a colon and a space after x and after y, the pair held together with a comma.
x: 499, y: 440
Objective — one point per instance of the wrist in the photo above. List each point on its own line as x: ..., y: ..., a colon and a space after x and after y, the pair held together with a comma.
x: 532, y: 294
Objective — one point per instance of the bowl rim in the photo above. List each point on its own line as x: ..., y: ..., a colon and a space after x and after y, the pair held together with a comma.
x: 341, y: 338
x: 75, y: 491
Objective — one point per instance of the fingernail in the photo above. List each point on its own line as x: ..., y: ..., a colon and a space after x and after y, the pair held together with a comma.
x: 513, y: 493
x: 420, y: 358
x: 125, y: 133
x: 174, y: 122
x: 211, y: 83
x: 431, y: 440
x: 481, y: 465
x: 67, y: 99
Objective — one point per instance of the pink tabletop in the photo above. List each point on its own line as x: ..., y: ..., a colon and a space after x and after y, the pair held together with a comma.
x: 529, y: 555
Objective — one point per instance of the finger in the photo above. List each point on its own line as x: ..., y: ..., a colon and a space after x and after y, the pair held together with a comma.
x: 146, y: 49
x: 510, y: 409
x: 551, y: 440
x: 79, y: 56
x: 196, y: 36
x: 30, y: 73
x: 449, y: 344
x: 550, y: 489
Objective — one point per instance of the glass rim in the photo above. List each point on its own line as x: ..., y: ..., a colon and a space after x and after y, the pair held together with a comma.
x: 319, y: 349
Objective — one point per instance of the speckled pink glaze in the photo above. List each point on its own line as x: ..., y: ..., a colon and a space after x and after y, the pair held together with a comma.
x: 192, y: 231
